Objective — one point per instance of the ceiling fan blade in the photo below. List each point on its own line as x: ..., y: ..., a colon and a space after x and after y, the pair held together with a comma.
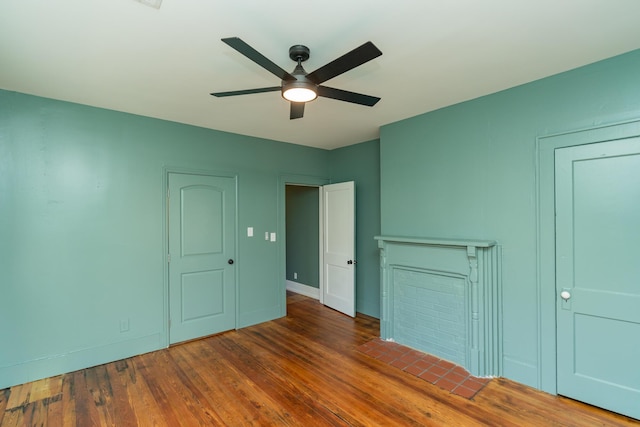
x: 346, y: 62
x: 344, y: 95
x: 297, y: 110
x: 247, y: 91
x: 257, y: 57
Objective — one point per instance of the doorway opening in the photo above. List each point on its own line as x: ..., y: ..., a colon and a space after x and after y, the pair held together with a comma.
x: 327, y: 241
x: 302, y: 226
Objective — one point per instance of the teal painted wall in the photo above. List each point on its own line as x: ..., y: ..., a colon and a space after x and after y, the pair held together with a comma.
x: 303, y: 241
x: 361, y: 163
x: 82, y: 228
x: 469, y: 171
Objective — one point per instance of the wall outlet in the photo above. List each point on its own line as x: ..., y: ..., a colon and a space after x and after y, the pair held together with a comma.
x: 249, y: 231
x: 124, y: 325
x: 273, y: 237
x: 295, y: 275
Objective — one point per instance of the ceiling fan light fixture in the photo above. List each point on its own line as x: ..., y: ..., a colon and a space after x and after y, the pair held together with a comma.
x: 298, y: 91
x: 299, y: 94
x: 300, y: 87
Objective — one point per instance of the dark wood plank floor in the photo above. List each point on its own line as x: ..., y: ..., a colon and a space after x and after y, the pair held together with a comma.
x: 302, y: 370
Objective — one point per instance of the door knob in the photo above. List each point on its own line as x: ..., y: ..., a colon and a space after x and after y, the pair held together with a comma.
x: 230, y: 261
x: 565, y: 295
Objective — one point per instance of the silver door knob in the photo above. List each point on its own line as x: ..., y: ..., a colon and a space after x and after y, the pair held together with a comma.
x: 565, y: 295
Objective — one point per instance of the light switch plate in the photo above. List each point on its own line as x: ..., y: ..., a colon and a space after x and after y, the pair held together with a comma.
x: 249, y: 231
x: 273, y: 237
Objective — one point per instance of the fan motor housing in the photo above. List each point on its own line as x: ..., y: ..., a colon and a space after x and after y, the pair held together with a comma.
x: 300, y: 82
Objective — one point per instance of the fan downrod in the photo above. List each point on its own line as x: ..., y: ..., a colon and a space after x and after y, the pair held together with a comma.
x: 299, y: 53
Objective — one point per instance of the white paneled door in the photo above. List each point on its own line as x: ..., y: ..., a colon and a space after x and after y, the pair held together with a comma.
x: 338, y: 247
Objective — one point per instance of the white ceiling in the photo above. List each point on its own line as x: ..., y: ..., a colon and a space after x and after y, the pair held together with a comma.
x: 163, y: 63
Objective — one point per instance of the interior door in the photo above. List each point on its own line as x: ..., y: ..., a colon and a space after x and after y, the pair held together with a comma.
x: 338, y: 247
x: 598, y: 274
x: 201, y: 255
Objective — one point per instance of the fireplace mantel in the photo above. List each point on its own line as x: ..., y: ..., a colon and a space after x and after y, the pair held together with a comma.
x: 436, y: 241
x: 443, y: 296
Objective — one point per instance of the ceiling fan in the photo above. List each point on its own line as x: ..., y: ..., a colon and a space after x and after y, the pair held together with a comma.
x: 299, y: 86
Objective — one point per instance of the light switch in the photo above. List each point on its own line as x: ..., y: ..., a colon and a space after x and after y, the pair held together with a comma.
x: 249, y: 231
x: 266, y: 235
x: 273, y: 237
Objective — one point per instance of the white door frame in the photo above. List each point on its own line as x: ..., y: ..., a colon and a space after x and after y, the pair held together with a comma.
x: 545, y: 233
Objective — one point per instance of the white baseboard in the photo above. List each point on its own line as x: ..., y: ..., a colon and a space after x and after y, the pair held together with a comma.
x: 306, y: 290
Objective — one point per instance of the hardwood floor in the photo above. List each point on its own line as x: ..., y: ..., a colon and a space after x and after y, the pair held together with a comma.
x: 302, y: 370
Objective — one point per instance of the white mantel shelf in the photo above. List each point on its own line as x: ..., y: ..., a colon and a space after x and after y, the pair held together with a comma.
x: 436, y: 241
